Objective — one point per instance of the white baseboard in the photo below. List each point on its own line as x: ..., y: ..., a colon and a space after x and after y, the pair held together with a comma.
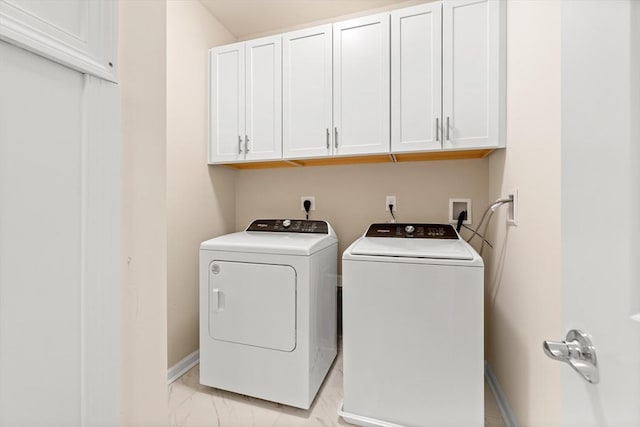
x: 501, y: 399
x: 181, y: 368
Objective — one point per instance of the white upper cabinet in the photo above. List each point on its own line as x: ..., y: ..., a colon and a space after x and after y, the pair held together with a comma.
x: 361, y: 85
x: 416, y: 49
x: 226, y: 109
x: 263, y: 123
x: 246, y: 101
x: 473, y: 73
x: 307, y: 110
x: 425, y: 78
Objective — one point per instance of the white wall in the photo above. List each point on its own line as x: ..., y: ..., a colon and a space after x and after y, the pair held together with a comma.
x: 523, y: 282
x: 200, y: 199
x: 142, y: 57
x: 351, y: 197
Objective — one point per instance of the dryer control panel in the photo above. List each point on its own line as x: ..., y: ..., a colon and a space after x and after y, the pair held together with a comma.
x: 289, y: 226
x: 413, y: 231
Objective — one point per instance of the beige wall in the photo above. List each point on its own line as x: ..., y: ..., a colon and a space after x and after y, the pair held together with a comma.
x: 523, y: 276
x: 142, y: 61
x: 200, y: 200
x: 523, y: 286
x: 351, y: 197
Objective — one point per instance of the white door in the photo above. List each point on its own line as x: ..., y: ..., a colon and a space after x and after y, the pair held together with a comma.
x: 59, y: 243
x: 307, y: 110
x: 600, y: 205
x: 79, y: 34
x: 226, y: 103
x: 471, y: 73
x: 253, y: 304
x: 361, y: 85
x: 416, y: 49
x: 263, y: 125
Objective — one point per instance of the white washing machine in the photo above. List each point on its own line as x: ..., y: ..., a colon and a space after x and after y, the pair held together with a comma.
x: 413, y: 334
x: 268, y: 310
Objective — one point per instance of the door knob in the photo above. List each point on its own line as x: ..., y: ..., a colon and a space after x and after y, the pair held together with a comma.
x: 578, y: 351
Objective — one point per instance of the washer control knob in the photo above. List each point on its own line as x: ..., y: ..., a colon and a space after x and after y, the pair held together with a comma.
x: 286, y: 223
x: 409, y: 229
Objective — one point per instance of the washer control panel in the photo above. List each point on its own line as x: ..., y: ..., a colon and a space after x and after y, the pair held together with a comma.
x: 289, y: 226
x: 413, y: 231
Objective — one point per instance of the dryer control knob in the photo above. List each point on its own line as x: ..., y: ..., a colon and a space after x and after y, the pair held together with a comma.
x: 409, y: 229
x: 286, y: 223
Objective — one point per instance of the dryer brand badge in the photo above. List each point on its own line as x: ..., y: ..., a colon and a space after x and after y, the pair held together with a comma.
x: 215, y: 268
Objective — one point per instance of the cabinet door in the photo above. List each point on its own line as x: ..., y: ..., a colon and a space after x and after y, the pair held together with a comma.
x: 263, y: 135
x: 416, y: 63
x: 226, y: 103
x: 472, y: 73
x: 307, y: 93
x: 361, y: 85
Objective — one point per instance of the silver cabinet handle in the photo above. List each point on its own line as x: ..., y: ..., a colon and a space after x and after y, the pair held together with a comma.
x: 447, y: 128
x: 239, y: 144
x: 246, y: 143
x: 578, y: 351
x: 328, y: 143
x: 437, y: 129
x: 335, y: 142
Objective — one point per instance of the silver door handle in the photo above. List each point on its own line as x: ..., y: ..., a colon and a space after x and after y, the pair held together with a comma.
x: 328, y: 143
x: 239, y: 144
x: 437, y: 129
x: 447, y: 128
x: 578, y: 351
x: 246, y: 143
x: 335, y: 142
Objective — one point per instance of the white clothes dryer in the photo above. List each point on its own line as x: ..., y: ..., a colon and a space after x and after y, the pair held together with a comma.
x: 413, y: 334
x: 268, y: 310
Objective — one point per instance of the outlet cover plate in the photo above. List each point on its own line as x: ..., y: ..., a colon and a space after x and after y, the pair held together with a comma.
x: 512, y: 209
x: 390, y: 200
x: 313, y: 202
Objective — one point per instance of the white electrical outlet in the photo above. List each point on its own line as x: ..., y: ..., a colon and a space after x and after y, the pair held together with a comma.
x: 512, y: 208
x: 312, y: 199
x: 390, y: 200
x: 456, y: 206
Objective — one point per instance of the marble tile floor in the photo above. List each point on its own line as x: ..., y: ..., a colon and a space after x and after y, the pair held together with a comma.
x: 194, y: 405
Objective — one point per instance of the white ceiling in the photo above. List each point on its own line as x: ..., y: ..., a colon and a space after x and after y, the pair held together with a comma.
x: 248, y: 17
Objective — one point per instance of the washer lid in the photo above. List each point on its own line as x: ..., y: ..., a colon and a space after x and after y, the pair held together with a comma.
x: 413, y: 248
